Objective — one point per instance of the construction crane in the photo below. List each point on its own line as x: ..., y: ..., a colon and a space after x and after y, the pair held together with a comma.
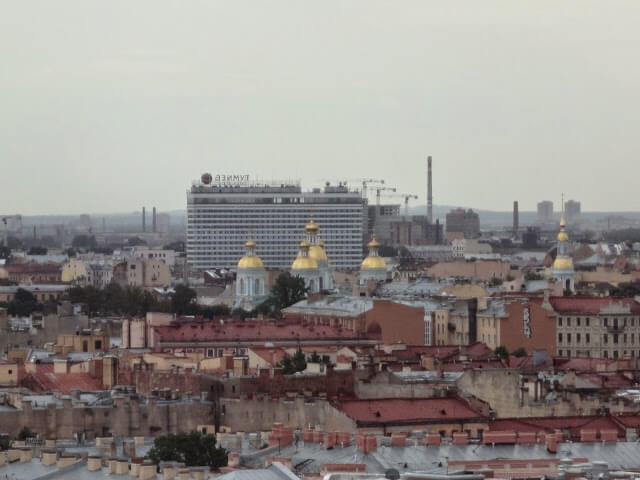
x: 364, y: 181
x: 406, y: 197
x: 382, y: 189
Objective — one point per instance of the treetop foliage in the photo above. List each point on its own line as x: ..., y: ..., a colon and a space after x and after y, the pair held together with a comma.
x: 192, y: 449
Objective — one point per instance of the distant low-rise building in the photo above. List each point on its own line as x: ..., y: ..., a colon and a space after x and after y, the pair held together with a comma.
x: 466, y: 246
x: 27, y: 273
x: 466, y: 222
x: 142, y: 273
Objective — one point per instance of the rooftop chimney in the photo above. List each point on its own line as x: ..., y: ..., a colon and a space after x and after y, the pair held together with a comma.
x: 429, y: 192
x: 144, y: 220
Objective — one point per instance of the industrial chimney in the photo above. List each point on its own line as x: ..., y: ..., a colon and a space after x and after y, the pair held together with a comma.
x: 153, y: 220
x: 144, y: 220
x: 515, y: 218
x: 429, y: 192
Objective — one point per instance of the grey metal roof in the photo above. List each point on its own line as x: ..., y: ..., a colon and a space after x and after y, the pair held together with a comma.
x: 308, y: 458
x: 275, y: 471
x: 330, y: 305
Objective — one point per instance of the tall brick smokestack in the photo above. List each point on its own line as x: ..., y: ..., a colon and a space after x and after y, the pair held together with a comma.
x: 153, y: 221
x: 516, y: 219
x: 429, y: 192
x: 144, y: 220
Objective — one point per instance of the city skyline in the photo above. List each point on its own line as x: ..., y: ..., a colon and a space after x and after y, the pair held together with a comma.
x: 534, y: 99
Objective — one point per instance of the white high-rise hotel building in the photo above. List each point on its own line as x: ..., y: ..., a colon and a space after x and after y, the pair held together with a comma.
x: 224, y: 211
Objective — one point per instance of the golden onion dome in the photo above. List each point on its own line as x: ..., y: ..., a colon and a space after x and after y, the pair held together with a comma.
x: 373, y: 243
x: 562, y: 222
x: 562, y: 236
x: 317, y: 253
x: 563, y: 263
x: 304, y: 263
x: 252, y: 261
x: 371, y: 263
x: 311, y: 227
x: 250, y: 244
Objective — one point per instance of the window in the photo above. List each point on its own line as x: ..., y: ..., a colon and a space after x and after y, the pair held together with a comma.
x: 568, y: 338
x: 98, y: 344
x: 559, y: 353
x: 559, y: 321
x: 578, y: 321
x: 586, y: 321
x: 615, y: 338
x: 605, y: 339
x: 568, y: 321
x: 559, y: 338
x: 624, y: 340
x: 587, y: 337
x: 578, y: 337
x: 606, y: 354
x: 606, y: 322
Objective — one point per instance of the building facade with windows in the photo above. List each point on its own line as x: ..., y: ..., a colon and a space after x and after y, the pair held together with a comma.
x: 221, y: 216
x: 602, y: 327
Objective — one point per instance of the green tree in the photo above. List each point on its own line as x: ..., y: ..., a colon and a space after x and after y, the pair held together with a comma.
x: 501, y: 352
x: 495, y: 282
x: 287, y: 290
x: 192, y: 449
x: 25, y: 433
x: 183, y: 300
x: 5, y: 252
x: 5, y: 443
x: 519, y: 352
x: 23, y: 304
x: 314, y: 358
x: 531, y: 276
x: 299, y: 362
x: 89, y: 295
x: 287, y: 365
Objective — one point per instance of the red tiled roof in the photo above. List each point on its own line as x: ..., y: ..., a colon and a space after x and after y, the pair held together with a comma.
x: 248, y: 331
x: 585, y: 364
x: 590, y: 305
x: 613, y: 380
x: 267, y: 354
x: 400, y: 410
x: 33, y: 268
x: 44, y: 380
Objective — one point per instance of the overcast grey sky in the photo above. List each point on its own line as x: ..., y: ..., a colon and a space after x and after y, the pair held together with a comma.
x: 107, y: 106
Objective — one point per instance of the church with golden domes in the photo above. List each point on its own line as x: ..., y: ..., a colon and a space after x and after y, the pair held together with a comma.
x: 373, y: 267
x: 250, y: 278
x: 312, y: 263
x: 562, y: 269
